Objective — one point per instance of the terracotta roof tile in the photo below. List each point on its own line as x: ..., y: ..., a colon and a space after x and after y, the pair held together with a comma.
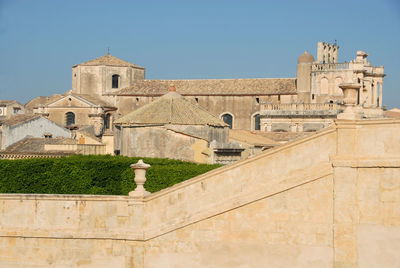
x: 256, y: 86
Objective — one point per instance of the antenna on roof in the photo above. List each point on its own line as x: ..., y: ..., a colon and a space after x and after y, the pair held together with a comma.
x: 108, y: 50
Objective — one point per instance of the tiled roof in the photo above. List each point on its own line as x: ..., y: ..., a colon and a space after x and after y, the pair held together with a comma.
x: 18, y: 119
x: 41, y: 100
x: 250, y: 137
x: 256, y: 86
x: 8, y: 102
x: 171, y: 108
x: 109, y: 60
x: 93, y: 99
x: 35, y: 145
x: 47, y: 100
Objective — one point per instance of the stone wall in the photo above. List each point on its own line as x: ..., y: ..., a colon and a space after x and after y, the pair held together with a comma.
x: 330, y: 199
x: 35, y: 128
x: 98, y: 79
x: 161, y: 142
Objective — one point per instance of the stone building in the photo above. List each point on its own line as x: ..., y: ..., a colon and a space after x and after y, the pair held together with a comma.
x: 330, y: 199
x: 107, y: 88
x: 174, y: 127
x: 9, y: 108
x: 77, y: 111
x: 319, y: 96
x: 18, y: 127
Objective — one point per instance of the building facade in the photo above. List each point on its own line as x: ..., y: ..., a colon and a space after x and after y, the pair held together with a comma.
x: 307, y: 102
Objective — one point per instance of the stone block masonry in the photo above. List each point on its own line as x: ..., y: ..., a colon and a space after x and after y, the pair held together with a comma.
x: 330, y: 199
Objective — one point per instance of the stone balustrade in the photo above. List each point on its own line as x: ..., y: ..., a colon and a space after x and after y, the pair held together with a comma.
x: 302, y: 106
x: 331, y: 66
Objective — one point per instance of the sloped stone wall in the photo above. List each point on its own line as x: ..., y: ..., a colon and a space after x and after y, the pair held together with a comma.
x: 330, y: 199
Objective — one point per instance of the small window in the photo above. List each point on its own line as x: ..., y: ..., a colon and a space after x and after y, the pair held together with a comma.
x: 107, y: 121
x: 312, y: 96
x: 137, y: 99
x: 17, y: 110
x: 279, y: 97
x: 115, y: 80
x: 256, y: 122
x: 70, y: 118
x: 258, y: 100
x: 228, y: 119
x: 197, y: 100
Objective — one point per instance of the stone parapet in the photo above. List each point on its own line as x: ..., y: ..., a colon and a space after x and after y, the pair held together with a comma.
x: 330, y: 199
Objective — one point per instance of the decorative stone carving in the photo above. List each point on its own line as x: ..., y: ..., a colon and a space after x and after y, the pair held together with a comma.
x: 140, y: 169
x: 352, y: 111
x: 98, y: 124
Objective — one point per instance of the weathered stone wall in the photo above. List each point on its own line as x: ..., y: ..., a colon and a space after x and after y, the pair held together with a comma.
x: 59, y: 116
x: 330, y: 199
x: 35, y: 128
x: 98, y: 79
x: 160, y: 142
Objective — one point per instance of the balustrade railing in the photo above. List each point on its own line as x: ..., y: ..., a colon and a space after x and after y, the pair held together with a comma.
x: 302, y: 106
x: 330, y: 66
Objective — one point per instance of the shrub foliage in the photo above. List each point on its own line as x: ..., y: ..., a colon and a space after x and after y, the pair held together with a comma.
x: 103, y: 175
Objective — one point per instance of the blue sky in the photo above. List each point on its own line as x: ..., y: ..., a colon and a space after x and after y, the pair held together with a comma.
x: 41, y: 40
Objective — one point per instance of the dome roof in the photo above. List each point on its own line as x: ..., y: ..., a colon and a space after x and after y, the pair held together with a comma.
x: 305, y: 58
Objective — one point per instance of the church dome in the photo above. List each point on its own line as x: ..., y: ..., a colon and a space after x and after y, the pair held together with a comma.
x: 305, y: 58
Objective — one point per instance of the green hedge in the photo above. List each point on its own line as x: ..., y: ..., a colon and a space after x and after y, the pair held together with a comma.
x: 104, y: 175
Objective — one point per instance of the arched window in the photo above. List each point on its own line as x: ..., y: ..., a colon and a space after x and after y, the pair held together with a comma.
x: 115, y: 80
x: 70, y: 118
x: 338, y: 91
x: 256, y: 120
x: 107, y: 121
x: 324, y: 86
x: 228, y: 119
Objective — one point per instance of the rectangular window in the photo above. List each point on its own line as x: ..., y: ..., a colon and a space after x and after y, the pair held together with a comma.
x: 16, y: 110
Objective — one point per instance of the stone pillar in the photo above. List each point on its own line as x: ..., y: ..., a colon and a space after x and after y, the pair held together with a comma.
x: 380, y: 94
x: 352, y: 110
x: 140, y: 169
x: 375, y: 90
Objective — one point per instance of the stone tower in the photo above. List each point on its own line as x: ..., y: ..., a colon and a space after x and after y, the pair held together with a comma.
x: 304, y: 64
x: 327, y: 53
x: 104, y: 75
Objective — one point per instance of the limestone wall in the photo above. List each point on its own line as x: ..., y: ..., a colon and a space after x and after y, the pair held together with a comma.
x: 160, y: 142
x: 330, y: 199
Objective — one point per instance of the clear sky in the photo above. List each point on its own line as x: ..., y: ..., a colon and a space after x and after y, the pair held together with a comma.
x: 41, y: 40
